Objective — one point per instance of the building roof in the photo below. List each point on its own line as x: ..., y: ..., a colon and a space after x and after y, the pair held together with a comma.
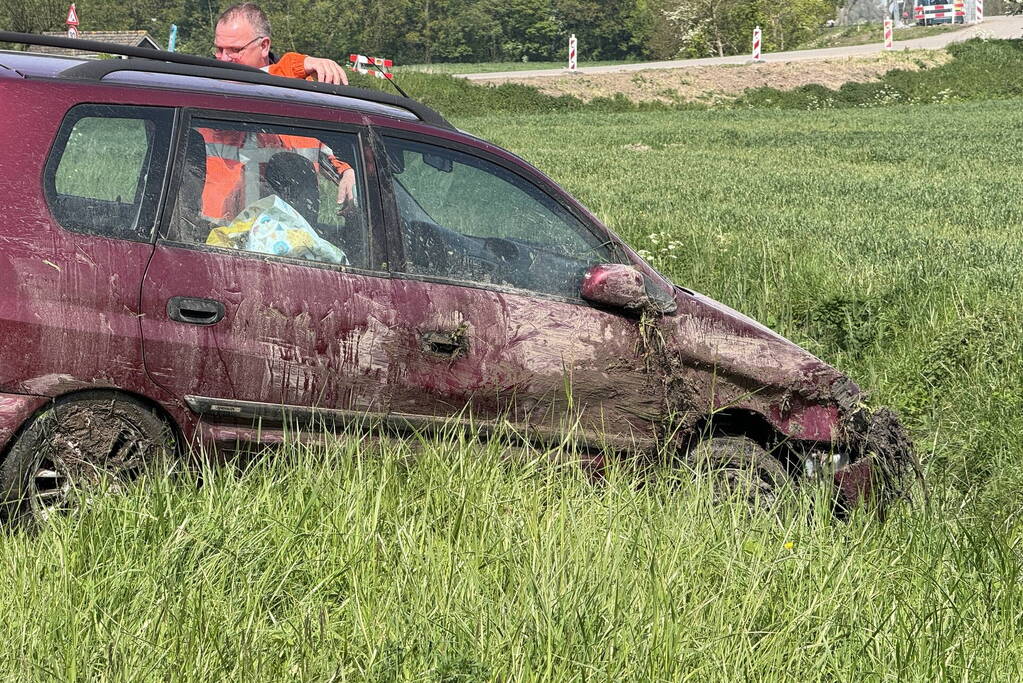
x: 130, y: 38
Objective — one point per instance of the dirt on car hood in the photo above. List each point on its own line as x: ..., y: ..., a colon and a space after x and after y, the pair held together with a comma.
x: 715, y: 361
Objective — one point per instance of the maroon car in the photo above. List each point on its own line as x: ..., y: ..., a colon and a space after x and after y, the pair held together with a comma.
x: 177, y: 270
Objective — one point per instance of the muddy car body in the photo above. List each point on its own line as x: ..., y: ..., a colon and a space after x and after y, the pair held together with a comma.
x: 465, y: 285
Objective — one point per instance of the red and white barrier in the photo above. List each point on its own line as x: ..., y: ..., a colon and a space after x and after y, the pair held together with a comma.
x: 573, y: 45
x: 757, y: 36
x: 978, y: 11
x: 952, y: 10
x: 889, y: 40
x: 381, y: 72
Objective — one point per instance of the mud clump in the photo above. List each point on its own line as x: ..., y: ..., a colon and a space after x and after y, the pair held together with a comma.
x: 887, y: 460
x: 89, y: 441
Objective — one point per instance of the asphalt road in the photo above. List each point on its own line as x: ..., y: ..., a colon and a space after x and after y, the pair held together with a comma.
x: 992, y: 27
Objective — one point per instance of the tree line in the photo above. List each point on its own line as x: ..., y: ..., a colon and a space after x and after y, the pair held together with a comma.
x: 425, y: 31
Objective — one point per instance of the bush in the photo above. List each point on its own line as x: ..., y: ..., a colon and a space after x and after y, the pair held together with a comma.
x: 981, y: 70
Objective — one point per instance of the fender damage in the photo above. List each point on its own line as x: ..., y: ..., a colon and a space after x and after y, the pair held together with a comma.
x: 713, y: 360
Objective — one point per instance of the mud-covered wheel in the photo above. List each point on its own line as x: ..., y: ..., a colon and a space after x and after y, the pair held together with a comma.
x: 740, y: 469
x: 83, y: 443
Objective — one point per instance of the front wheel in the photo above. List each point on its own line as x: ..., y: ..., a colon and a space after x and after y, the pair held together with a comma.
x: 741, y: 469
x: 82, y: 443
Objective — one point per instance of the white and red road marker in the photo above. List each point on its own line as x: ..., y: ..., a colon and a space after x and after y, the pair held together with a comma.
x: 757, y: 39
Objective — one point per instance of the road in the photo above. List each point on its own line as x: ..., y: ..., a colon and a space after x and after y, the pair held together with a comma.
x: 991, y: 27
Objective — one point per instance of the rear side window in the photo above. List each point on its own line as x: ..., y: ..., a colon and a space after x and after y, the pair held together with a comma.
x: 106, y: 170
x: 274, y: 190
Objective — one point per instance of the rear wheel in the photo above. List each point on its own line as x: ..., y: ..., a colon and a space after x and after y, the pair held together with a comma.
x: 741, y: 469
x: 82, y: 444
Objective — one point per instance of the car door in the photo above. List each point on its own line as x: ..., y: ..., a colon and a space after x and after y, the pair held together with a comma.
x: 263, y: 292
x: 78, y: 226
x: 489, y: 319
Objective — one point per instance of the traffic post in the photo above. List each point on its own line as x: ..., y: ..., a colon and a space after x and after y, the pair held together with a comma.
x: 757, y: 35
x: 573, y: 45
x: 889, y: 41
x: 72, y: 22
x: 978, y: 11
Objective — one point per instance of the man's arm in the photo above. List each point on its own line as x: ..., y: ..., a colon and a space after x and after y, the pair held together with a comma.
x: 295, y: 65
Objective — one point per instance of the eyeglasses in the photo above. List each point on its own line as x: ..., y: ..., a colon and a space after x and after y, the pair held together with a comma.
x: 230, y: 51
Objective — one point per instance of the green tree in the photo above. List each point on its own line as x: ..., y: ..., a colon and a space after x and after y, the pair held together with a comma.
x: 711, y: 27
x: 528, y: 28
x: 607, y: 29
x: 195, y: 22
x: 787, y: 23
x: 33, y: 17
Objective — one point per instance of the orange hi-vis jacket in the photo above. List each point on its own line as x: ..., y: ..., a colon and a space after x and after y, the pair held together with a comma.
x: 235, y: 160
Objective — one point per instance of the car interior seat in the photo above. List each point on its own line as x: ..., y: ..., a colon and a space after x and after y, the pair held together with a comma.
x: 292, y: 177
x: 190, y: 225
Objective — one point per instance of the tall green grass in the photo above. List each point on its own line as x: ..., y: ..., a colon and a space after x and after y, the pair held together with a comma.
x: 351, y: 563
x: 873, y: 32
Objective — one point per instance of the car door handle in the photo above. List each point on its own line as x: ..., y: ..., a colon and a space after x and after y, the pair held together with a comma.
x: 186, y: 309
x: 453, y: 344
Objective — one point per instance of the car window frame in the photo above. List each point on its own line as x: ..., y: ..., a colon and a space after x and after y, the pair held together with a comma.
x: 80, y: 111
x: 392, y: 214
x: 369, y: 185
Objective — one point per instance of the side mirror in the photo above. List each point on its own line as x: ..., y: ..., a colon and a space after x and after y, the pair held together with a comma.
x: 614, y: 285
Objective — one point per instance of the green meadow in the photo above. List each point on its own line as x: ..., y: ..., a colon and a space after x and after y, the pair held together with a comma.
x: 888, y: 240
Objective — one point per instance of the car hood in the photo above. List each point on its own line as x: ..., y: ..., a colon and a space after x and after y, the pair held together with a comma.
x: 741, y: 364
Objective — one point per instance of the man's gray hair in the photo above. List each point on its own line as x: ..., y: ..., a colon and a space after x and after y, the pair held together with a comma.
x: 250, y: 12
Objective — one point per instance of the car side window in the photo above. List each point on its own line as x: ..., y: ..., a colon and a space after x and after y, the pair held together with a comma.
x: 465, y: 218
x: 106, y: 170
x: 277, y: 190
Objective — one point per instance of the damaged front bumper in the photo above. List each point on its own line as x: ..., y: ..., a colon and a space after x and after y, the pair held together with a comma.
x: 877, y: 466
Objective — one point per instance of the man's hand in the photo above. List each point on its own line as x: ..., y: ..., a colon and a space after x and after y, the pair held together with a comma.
x: 325, y: 70
x: 346, y: 189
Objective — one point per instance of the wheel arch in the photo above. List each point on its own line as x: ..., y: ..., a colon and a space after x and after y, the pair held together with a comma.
x: 740, y: 422
x: 736, y: 422
x: 146, y: 401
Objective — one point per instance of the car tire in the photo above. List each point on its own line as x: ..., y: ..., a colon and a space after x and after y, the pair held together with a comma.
x: 741, y: 469
x: 80, y: 444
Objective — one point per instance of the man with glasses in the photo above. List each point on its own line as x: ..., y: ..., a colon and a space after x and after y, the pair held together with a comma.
x: 242, y: 36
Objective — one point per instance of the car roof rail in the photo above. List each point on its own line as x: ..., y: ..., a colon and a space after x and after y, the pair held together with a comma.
x: 162, y: 62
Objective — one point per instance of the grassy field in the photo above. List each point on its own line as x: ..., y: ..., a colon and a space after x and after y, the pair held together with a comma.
x: 889, y: 251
